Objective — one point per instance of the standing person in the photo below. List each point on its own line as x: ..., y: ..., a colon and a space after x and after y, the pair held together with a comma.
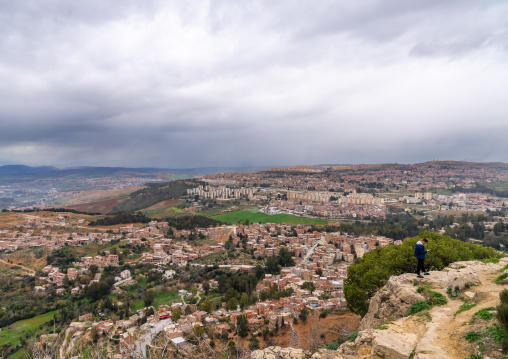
x: 420, y: 255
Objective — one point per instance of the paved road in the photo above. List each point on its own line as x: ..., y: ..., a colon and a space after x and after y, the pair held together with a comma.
x: 150, y: 334
x: 310, y: 251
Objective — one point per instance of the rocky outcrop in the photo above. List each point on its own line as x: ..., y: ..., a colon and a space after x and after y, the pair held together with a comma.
x: 379, y: 344
x: 402, y: 336
x: 280, y: 353
x: 462, y: 280
x: 392, y: 301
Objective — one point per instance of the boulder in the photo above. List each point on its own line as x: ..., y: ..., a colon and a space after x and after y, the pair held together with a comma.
x: 279, y: 353
x: 392, y: 301
x: 461, y: 281
x: 379, y: 344
x: 326, y: 354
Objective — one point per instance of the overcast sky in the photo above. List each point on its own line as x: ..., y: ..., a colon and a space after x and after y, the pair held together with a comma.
x: 234, y: 83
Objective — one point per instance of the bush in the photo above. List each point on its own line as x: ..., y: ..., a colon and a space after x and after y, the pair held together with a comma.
x: 502, y: 317
x: 497, y: 333
x: 485, y: 313
x: 352, y: 336
x: 371, y: 272
x: 419, y: 306
x: 501, y: 277
x: 490, y: 260
x: 437, y: 298
x: 473, y: 336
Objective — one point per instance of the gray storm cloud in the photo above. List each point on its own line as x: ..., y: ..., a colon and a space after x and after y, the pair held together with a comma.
x: 187, y: 83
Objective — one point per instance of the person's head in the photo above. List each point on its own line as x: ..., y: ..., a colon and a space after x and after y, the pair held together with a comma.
x: 425, y: 241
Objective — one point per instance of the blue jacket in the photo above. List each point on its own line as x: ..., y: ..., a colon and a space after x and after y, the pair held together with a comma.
x: 420, y: 250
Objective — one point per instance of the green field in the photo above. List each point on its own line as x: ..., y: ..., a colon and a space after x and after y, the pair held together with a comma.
x: 242, y: 216
x: 13, y: 332
x: 162, y: 212
x: 165, y: 297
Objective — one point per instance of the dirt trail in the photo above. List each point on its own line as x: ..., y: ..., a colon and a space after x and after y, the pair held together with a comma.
x: 31, y: 271
x: 443, y: 337
x: 451, y: 329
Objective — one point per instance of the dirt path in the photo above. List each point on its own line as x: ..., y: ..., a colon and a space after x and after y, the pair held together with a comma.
x: 294, y: 336
x: 31, y: 271
x: 449, y: 329
x: 443, y: 337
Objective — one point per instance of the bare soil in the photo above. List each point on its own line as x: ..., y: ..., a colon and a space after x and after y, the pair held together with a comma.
x: 308, y: 335
x: 101, y: 207
x: 97, y: 195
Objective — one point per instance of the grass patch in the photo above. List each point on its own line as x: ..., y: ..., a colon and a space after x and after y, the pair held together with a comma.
x: 165, y: 298
x: 437, y: 298
x: 26, y: 328
x: 501, y: 277
x: 464, y: 307
x: 485, y: 313
x: 242, y: 216
x: 424, y: 288
x: 490, y: 260
x: 137, y: 305
x: 419, y: 306
x: 473, y: 336
x: 497, y: 333
x: 503, y: 269
x: 424, y: 316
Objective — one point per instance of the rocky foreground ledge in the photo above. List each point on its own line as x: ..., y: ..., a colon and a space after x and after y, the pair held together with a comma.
x: 387, y: 332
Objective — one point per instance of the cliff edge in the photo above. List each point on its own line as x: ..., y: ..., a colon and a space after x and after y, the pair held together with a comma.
x: 421, y: 318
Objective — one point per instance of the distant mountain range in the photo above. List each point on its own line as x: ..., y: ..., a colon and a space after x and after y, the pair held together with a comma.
x: 48, y: 171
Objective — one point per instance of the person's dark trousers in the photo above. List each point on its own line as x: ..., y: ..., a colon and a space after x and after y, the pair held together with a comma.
x: 420, y: 266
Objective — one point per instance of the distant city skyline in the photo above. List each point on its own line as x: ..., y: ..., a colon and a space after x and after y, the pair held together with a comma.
x: 185, y: 84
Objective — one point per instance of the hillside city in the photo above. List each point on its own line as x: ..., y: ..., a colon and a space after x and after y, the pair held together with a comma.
x: 215, y: 276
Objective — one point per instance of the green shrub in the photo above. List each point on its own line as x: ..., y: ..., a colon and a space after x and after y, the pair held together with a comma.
x: 473, y: 336
x: 419, y: 306
x: 490, y: 260
x: 372, y: 271
x: 332, y: 346
x: 485, y: 313
x: 437, y: 298
x: 352, y: 336
x: 497, y: 333
x: 504, y: 296
x: 501, y: 277
x: 464, y: 307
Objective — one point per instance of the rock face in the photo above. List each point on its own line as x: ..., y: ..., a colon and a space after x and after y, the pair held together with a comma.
x: 402, y: 336
x: 460, y: 281
x: 280, y: 353
x: 392, y: 301
x: 379, y: 344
